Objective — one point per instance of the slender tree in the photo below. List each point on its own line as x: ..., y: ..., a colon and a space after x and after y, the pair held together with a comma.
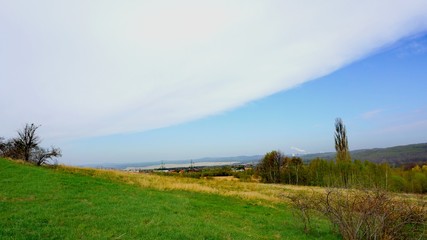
x: 343, y: 154
x: 341, y: 142
x: 297, y: 164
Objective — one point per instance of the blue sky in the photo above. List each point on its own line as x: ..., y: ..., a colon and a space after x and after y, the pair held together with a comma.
x: 162, y: 80
x: 381, y: 100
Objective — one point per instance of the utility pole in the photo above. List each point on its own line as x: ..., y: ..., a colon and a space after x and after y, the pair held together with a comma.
x: 162, y: 165
x: 191, y: 164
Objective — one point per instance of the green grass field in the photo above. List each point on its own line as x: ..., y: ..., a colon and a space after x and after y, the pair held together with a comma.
x: 47, y: 203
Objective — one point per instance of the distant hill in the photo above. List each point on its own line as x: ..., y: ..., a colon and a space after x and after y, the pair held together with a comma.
x: 399, y: 155
x: 241, y: 159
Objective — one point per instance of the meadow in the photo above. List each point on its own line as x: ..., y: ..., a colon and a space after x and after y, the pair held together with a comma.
x: 59, y: 202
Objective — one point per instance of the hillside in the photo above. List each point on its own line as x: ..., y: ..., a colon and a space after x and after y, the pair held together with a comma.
x: 398, y: 155
x: 240, y: 159
x: 72, y: 203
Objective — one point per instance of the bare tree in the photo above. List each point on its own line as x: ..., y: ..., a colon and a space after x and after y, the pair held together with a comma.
x: 2, y: 146
x: 10, y: 149
x: 27, y: 140
x: 26, y: 147
x: 42, y: 155
x: 341, y: 142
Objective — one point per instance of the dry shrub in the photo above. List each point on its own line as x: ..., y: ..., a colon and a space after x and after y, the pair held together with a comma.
x: 305, y: 204
x: 365, y: 214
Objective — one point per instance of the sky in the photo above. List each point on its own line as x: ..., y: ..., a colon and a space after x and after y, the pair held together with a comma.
x: 142, y: 81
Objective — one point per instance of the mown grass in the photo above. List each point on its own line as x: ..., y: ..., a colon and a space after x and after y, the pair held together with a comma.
x: 71, y: 203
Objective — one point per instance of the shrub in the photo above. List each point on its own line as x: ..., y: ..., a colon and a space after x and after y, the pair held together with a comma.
x: 365, y: 214
x: 305, y: 207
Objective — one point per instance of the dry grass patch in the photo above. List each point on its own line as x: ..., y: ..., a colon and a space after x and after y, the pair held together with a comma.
x: 217, y: 185
x: 226, y: 186
x: 224, y: 178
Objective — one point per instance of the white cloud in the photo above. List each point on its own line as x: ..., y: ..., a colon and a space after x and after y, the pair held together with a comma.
x: 371, y: 114
x: 406, y: 127
x: 298, y: 150
x: 416, y: 47
x: 88, y: 68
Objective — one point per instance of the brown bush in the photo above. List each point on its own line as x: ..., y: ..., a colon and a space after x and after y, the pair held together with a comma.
x: 365, y: 214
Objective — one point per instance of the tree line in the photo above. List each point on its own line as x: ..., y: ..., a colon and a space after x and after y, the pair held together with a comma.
x: 275, y: 167
x: 26, y: 146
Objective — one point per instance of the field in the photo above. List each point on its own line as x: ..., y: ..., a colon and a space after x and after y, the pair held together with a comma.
x: 73, y: 203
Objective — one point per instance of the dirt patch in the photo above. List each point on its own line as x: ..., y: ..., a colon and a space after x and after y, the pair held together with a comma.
x: 225, y: 178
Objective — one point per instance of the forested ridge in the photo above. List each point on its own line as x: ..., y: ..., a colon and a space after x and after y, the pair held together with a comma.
x: 407, y: 155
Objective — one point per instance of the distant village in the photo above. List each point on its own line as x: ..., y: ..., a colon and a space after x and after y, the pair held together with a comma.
x: 191, y: 167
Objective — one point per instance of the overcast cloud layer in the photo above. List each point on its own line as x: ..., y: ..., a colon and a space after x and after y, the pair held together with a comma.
x: 90, y: 68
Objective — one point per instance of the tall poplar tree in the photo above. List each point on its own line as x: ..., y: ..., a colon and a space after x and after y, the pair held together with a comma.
x: 343, y: 154
x: 341, y: 142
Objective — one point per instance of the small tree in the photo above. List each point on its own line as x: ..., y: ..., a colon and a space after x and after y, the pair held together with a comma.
x: 10, y: 149
x: 26, y: 147
x: 269, y: 167
x: 2, y: 146
x: 42, y: 156
x: 27, y: 140
x: 291, y: 167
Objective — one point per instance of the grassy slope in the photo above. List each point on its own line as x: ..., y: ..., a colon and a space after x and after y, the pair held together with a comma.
x: 41, y: 203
